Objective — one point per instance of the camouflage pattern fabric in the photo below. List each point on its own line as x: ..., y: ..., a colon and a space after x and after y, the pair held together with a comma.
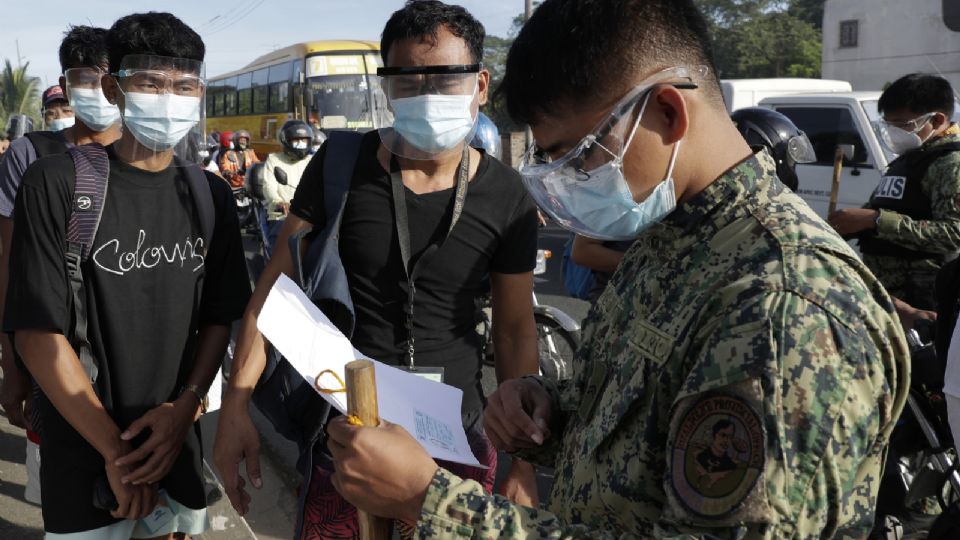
x: 739, y: 378
x: 908, y: 279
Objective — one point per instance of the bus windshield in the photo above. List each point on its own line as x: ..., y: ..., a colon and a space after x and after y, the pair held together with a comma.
x: 339, y: 101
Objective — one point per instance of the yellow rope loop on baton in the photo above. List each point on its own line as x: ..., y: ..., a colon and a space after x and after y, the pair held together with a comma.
x: 352, y: 419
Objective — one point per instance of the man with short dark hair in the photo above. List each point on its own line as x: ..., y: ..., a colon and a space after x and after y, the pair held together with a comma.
x: 469, y: 224
x: 159, y: 286
x: 83, y: 59
x: 735, y: 303
x: 911, y: 224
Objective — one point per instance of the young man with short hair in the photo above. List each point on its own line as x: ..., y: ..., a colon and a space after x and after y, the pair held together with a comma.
x: 159, y: 292
x: 435, y: 84
x: 83, y: 59
x: 735, y: 302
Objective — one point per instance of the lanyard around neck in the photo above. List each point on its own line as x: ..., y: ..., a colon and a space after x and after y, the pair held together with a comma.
x: 403, y: 234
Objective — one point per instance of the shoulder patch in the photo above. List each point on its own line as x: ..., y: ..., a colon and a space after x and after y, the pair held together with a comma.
x: 717, y: 455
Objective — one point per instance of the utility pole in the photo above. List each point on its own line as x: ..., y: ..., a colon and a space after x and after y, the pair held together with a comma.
x: 527, y: 11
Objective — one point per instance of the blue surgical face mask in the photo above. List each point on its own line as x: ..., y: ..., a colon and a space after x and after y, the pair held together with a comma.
x: 601, y: 205
x: 61, y: 123
x: 433, y: 123
x: 160, y: 121
x: 93, y: 109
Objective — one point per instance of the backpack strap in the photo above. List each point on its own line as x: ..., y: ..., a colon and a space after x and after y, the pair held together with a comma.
x: 344, y: 147
x: 202, y: 199
x: 93, y: 172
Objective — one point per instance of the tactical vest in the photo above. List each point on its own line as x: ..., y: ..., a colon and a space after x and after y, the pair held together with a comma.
x: 901, y: 191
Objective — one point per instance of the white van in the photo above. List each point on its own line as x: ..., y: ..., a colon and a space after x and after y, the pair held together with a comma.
x: 740, y: 93
x: 829, y: 120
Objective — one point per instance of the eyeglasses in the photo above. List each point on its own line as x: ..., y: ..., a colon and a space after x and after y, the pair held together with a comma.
x: 911, y: 126
x: 609, y: 139
x: 146, y: 81
x: 450, y: 80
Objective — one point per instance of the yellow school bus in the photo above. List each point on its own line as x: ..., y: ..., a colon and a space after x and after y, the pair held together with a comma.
x: 326, y: 83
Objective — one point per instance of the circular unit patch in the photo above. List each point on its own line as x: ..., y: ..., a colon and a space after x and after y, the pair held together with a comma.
x: 717, y: 456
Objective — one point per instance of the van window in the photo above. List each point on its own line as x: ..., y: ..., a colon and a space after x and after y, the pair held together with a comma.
x: 826, y: 128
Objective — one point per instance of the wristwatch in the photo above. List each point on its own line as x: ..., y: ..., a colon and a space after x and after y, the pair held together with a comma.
x: 201, y: 396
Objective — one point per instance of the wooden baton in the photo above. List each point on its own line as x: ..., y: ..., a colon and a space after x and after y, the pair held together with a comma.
x: 361, y: 383
x: 835, y: 188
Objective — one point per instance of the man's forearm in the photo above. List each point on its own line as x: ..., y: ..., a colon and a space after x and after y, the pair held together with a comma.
x: 250, y: 356
x: 515, y: 353
x: 56, y: 368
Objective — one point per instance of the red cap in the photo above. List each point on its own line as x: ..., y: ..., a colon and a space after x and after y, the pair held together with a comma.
x: 52, y: 94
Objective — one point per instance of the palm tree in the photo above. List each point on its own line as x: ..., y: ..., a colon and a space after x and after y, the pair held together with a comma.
x: 19, y: 93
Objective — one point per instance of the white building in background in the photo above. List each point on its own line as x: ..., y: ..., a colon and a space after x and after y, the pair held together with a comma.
x: 874, y: 42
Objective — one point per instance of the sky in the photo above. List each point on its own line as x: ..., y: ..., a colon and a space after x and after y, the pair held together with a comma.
x: 235, y: 33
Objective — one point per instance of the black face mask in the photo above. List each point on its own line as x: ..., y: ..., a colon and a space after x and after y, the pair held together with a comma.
x: 298, y: 153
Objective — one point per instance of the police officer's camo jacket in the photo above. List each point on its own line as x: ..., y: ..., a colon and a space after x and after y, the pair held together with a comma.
x: 739, y: 378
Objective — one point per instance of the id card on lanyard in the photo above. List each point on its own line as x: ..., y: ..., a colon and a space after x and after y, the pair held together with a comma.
x: 414, y: 271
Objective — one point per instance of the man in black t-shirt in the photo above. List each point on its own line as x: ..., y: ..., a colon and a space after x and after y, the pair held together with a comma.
x: 421, y: 166
x: 159, y: 299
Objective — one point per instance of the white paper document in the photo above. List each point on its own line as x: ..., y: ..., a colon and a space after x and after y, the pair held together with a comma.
x: 428, y: 410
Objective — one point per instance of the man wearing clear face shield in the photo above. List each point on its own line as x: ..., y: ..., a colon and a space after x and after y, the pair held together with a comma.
x: 427, y: 220
x: 83, y: 58
x: 159, y: 291
x: 736, y: 310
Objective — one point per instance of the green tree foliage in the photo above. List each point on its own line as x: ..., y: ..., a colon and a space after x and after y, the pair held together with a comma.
x: 19, y: 93
x: 765, y: 38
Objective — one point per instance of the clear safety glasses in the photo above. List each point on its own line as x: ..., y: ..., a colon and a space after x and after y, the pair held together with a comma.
x: 610, y: 138
x: 449, y: 80
x: 910, y: 126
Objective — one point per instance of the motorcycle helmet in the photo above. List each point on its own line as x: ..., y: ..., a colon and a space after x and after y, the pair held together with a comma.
x: 487, y: 136
x: 769, y: 129
x: 296, y: 136
x: 226, y: 140
x: 241, y: 134
x: 318, y: 139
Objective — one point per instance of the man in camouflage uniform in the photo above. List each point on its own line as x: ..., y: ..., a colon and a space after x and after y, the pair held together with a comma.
x: 912, y: 221
x: 740, y: 375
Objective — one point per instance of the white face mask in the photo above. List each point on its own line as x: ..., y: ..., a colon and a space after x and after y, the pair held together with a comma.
x: 93, y: 109
x: 160, y: 121
x: 433, y: 123
x: 901, y: 141
x: 61, y: 123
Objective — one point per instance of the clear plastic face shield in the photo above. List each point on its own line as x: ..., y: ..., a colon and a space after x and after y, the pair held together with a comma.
x: 86, y: 95
x: 573, y: 189
x: 162, y: 104
x: 426, y: 112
